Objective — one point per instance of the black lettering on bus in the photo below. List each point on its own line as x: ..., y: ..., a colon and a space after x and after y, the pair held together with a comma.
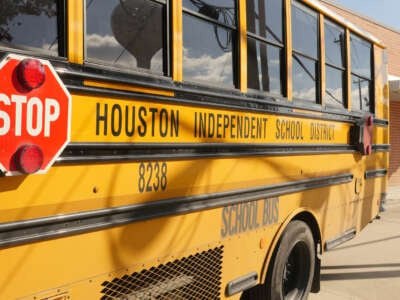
x: 253, y: 127
x: 152, y: 177
x: 174, y: 123
x: 226, y: 124
x: 211, y: 129
x: 240, y: 127
x: 278, y: 131
x: 163, y: 121
x: 219, y: 125
x: 131, y: 131
x: 153, y: 119
x: 233, y: 125
x: 246, y: 127
x: 142, y: 129
x: 116, y: 120
x: 259, y: 128
x: 101, y: 118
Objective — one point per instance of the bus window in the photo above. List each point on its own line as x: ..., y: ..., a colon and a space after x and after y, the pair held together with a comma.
x: 335, y: 53
x: 265, y: 45
x: 305, y: 53
x: 209, y: 42
x: 31, y: 25
x: 361, y: 74
x: 128, y: 34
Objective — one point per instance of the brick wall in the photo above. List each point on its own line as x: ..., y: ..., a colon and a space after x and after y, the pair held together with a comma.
x: 394, y: 160
x: 389, y: 36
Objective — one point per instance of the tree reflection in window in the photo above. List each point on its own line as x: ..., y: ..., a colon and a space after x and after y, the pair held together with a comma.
x: 30, y: 25
x: 209, y: 41
x: 265, y: 45
x: 335, y: 58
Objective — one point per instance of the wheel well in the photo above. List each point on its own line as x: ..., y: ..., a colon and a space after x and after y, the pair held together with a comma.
x: 312, y: 223
x: 310, y: 220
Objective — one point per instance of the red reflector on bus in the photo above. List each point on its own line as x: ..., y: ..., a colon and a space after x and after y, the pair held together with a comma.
x: 368, y: 150
x: 28, y: 159
x: 31, y: 73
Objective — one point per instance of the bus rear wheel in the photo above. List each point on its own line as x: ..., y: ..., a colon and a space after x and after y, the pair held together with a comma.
x: 292, y: 269
x: 290, y: 273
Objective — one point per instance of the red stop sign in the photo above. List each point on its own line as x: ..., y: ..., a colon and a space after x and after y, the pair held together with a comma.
x: 33, y: 116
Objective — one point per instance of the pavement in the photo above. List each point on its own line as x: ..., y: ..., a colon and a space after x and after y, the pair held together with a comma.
x: 368, y: 266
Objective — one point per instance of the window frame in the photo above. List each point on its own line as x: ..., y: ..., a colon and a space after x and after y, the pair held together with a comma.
x: 318, y: 101
x: 371, y: 81
x: 280, y: 46
x: 342, y: 68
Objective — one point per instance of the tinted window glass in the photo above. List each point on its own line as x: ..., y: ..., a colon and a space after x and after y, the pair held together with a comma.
x: 263, y: 66
x: 360, y: 56
x: 127, y: 34
x: 304, y: 78
x: 334, y: 87
x: 210, y: 57
x: 305, y: 30
x: 360, y: 94
x: 30, y: 23
x: 221, y: 10
x: 264, y: 18
x: 334, y: 44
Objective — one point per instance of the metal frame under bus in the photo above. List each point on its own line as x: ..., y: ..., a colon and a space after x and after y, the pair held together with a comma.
x: 217, y: 148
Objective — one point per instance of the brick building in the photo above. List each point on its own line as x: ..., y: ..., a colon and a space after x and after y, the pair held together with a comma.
x: 391, y: 38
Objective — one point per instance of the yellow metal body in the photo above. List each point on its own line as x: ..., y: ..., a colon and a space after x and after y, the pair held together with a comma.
x: 76, y: 265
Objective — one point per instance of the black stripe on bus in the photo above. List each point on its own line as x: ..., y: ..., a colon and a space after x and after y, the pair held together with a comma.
x: 381, y: 122
x: 375, y: 173
x: 21, y: 232
x: 381, y: 147
x: 124, y: 152
x: 229, y: 101
x: 73, y: 76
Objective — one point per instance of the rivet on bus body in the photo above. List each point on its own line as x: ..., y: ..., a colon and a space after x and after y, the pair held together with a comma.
x: 95, y: 189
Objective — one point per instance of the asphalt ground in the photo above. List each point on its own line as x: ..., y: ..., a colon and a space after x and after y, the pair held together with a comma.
x: 368, y: 266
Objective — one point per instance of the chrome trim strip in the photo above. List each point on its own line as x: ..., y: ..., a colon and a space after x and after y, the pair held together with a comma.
x: 344, y: 237
x: 240, y: 284
x: 375, y: 173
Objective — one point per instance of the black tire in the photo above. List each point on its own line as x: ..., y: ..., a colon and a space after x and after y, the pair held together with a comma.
x: 293, y: 267
x: 291, y: 271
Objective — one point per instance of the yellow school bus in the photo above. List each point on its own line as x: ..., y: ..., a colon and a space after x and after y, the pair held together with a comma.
x: 184, y: 149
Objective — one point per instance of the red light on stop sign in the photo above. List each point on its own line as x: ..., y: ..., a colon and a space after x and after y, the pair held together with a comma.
x: 29, y: 159
x: 31, y: 73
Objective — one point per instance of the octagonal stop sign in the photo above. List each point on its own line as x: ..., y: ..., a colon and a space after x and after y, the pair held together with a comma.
x: 35, y: 109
